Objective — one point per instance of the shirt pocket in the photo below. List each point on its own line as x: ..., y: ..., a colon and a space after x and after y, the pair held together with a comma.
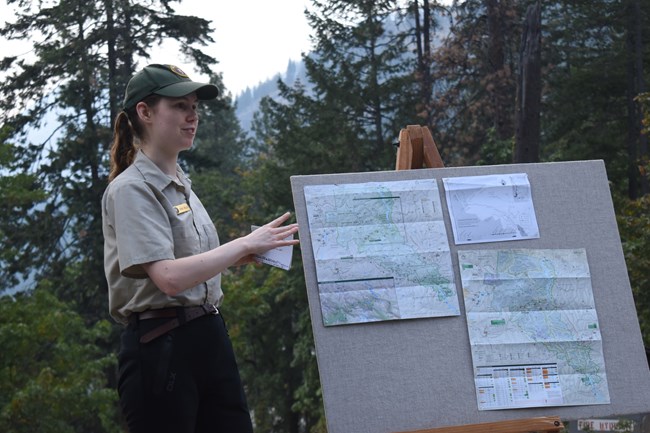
x: 186, y: 238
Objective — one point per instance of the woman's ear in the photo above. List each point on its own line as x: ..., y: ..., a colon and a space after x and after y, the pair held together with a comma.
x: 144, y: 111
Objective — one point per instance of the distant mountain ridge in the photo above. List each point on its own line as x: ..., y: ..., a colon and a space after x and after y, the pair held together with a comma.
x: 248, y: 102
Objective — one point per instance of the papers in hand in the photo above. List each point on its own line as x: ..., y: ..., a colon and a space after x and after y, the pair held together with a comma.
x: 278, y: 257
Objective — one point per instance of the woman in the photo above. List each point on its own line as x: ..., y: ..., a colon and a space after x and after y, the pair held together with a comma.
x: 177, y: 371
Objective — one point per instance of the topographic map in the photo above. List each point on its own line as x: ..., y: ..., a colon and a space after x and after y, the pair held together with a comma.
x: 533, y: 328
x: 381, y: 251
x: 491, y: 208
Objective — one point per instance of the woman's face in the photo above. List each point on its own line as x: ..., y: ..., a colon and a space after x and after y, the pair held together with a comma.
x: 172, y: 123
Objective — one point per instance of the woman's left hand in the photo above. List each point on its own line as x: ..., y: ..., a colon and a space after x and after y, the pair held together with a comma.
x: 271, y: 235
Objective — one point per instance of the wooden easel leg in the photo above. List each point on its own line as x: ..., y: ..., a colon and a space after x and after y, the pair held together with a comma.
x: 415, y: 134
x: 432, y: 157
x: 549, y: 424
x: 404, y: 151
x: 417, y: 149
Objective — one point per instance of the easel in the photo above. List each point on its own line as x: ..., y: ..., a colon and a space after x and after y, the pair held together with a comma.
x: 417, y: 149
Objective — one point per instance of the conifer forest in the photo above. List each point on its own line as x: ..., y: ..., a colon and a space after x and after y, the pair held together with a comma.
x: 496, y: 81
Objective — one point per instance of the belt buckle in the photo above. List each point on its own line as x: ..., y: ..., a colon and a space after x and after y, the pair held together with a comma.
x: 210, y: 309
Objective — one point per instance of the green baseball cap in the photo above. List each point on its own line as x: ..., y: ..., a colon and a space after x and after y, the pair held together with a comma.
x: 164, y: 80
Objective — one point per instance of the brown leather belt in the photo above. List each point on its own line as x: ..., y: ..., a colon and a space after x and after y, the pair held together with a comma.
x: 179, y: 316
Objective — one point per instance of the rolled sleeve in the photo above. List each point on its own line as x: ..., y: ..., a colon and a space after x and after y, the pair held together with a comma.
x: 142, y: 228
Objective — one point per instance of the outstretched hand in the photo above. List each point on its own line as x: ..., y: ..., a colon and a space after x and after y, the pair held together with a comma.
x: 272, y: 235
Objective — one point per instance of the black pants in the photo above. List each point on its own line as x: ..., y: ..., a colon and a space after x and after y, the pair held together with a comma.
x: 185, y: 381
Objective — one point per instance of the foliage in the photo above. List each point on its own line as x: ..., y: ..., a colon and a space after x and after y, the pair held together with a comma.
x: 270, y: 325
x: 633, y: 216
x: 18, y: 192
x: 495, y: 151
x: 363, y: 77
x: 600, y: 73
x: 644, y: 102
x: 221, y: 151
x: 374, y: 69
x: 273, y: 341
x: 584, y: 107
x: 83, y: 54
x: 474, y: 74
x: 52, y: 372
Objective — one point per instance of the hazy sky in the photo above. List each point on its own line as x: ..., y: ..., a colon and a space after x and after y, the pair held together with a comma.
x: 254, y: 39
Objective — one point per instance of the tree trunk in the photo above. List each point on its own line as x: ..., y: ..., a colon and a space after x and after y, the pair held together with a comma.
x: 112, y: 63
x: 423, y: 46
x: 426, y: 65
x: 637, y: 143
x: 529, y: 89
x: 496, y: 68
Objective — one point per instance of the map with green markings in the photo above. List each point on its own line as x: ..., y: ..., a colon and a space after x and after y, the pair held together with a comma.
x: 381, y: 251
x: 533, y: 328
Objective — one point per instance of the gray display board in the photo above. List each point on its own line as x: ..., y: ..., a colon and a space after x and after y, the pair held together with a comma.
x: 405, y: 375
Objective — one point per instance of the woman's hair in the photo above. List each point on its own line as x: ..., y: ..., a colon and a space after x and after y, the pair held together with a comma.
x: 127, y: 130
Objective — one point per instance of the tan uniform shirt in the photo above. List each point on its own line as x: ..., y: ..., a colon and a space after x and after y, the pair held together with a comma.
x: 148, y: 216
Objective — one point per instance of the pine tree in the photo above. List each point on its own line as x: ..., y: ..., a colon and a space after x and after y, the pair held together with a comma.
x: 362, y: 65
x: 71, y: 89
x: 361, y: 92
x: 474, y: 68
x: 589, y: 111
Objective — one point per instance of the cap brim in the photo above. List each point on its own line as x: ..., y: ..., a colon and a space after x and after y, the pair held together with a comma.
x: 176, y: 90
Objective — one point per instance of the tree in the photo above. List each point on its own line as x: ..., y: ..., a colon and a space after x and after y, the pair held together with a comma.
x: 633, y: 216
x: 637, y: 143
x: 83, y: 55
x: 52, y: 370
x: 215, y: 163
x: 584, y: 102
x: 361, y: 66
x: 529, y: 89
x: 19, y: 192
x: 424, y: 27
x: 361, y: 93
x: 475, y: 69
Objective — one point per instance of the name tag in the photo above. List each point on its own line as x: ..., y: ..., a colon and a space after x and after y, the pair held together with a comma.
x: 182, y: 208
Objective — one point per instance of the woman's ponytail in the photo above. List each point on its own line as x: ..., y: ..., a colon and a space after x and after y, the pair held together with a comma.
x: 128, y: 131
x: 123, y: 149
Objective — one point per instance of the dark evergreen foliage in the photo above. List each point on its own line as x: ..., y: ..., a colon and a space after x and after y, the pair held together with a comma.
x: 376, y: 67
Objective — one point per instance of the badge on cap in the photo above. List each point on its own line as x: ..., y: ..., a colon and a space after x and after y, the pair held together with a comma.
x: 182, y: 208
x: 178, y: 71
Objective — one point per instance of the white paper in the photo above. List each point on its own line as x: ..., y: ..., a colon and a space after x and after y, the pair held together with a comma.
x: 278, y: 257
x: 491, y: 208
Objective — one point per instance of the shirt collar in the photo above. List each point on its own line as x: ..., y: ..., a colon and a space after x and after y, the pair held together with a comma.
x: 153, y: 174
